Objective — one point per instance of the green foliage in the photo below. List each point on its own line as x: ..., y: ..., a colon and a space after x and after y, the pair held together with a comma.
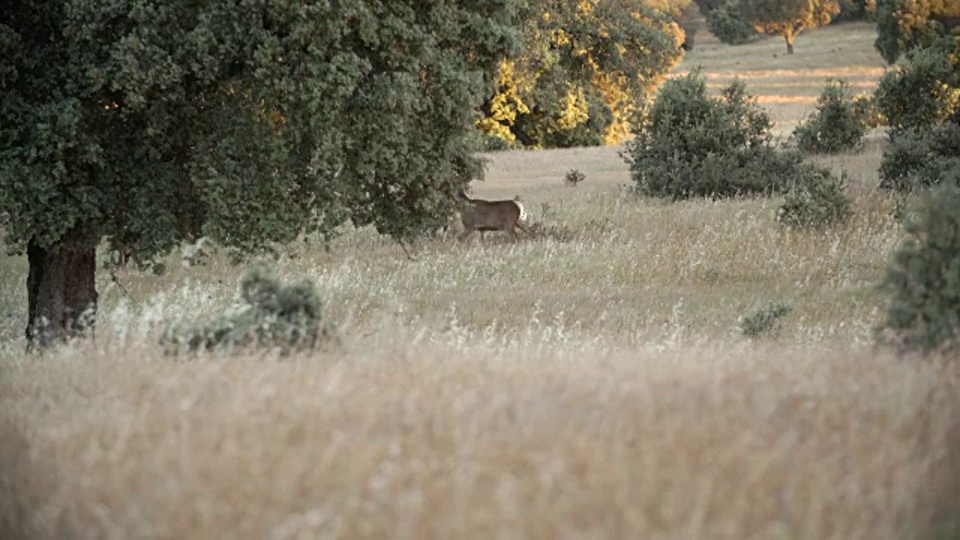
x: 693, y: 145
x: 765, y: 320
x: 919, y: 158
x: 728, y: 24
x: 274, y: 316
x: 853, y: 10
x: 816, y: 200
x: 923, y: 279
x: 906, y: 24
x: 788, y: 18
x: 584, y: 70
x: 866, y: 110
x: 834, y: 126
x: 574, y: 177
x: 925, y: 91
x: 148, y: 122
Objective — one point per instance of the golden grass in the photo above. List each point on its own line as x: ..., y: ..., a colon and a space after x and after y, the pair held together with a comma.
x: 463, y: 438
x: 592, y: 388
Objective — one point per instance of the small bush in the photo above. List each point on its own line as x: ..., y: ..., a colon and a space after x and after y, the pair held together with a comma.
x: 574, y: 177
x: 834, y: 126
x: 924, y: 277
x: 275, y: 316
x: 816, y: 200
x: 918, y: 158
x: 765, y: 320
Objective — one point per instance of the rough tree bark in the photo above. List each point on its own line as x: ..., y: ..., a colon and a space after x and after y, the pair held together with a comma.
x: 61, y: 290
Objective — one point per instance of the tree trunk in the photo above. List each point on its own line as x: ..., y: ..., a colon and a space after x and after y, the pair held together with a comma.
x: 789, y: 38
x: 61, y: 290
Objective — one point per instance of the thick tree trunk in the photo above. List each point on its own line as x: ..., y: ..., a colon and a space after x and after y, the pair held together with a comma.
x: 789, y: 39
x: 61, y: 290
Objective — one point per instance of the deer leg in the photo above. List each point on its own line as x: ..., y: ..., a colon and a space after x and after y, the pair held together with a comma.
x: 465, y: 234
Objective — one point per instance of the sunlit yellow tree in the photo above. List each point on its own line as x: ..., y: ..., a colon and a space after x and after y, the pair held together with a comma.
x: 585, y: 68
x: 788, y: 18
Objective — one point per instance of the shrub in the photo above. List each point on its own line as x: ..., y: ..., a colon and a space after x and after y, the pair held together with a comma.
x: 693, y: 145
x: 921, y: 93
x: 574, y: 177
x: 286, y: 317
x: 834, y: 126
x: 917, y: 158
x: 728, y: 24
x: 816, y: 200
x: 924, y: 276
x: 866, y: 110
x: 764, y: 320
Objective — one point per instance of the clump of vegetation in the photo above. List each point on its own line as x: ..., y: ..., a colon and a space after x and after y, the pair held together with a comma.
x: 918, y: 158
x: 765, y: 320
x: 548, y: 231
x: 923, y: 92
x: 834, y: 126
x: 275, y: 316
x: 866, y: 110
x: 904, y: 25
x: 694, y: 145
x: 852, y: 10
x: 566, y: 86
x: 818, y: 201
x: 924, y: 277
x: 574, y: 177
x: 728, y: 24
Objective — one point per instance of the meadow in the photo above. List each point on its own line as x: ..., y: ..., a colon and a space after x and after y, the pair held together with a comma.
x: 591, y: 384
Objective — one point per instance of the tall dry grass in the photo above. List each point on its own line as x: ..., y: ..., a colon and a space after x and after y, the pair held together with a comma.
x: 415, y: 436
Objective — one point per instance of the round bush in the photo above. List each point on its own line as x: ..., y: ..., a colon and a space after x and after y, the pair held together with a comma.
x: 816, y: 200
x: 834, y: 126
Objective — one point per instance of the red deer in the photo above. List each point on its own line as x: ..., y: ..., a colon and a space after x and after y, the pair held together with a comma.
x: 504, y: 215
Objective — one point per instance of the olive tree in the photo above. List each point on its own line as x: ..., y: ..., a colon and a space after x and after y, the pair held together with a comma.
x: 788, y: 18
x: 147, y: 122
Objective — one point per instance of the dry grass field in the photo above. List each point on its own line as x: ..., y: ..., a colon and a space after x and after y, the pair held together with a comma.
x: 788, y: 85
x: 596, y: 386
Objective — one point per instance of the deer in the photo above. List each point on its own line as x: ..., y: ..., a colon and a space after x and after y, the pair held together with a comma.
x: 503, y: 215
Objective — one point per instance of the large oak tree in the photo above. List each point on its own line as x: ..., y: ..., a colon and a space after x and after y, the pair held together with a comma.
x: 147, y: 122
x: 788, y: 18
